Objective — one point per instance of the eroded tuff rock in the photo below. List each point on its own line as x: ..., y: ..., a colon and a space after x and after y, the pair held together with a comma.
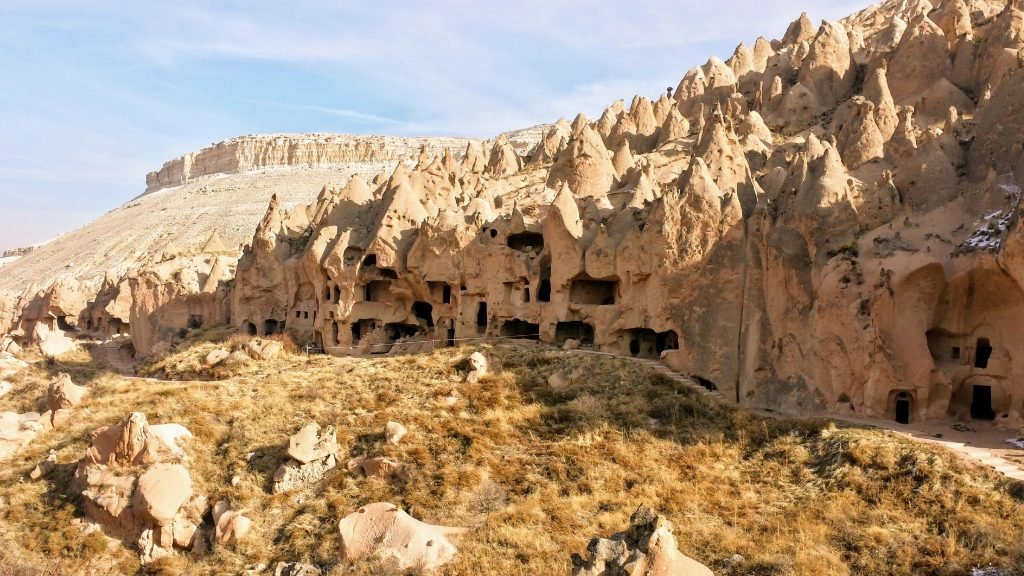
x: 134, y: 483
x: 312, y: 454
x: 399, y: 540
x: 799, y: 225
x: 647, y: 548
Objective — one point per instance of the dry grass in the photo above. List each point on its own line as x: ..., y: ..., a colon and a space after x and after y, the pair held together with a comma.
x: 535, y: 472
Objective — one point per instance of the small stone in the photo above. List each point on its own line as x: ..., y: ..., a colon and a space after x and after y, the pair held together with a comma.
x: 394, y: 432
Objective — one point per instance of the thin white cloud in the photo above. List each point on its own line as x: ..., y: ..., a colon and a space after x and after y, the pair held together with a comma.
x: 342, y: 112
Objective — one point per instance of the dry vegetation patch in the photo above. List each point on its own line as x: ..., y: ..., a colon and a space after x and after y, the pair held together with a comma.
x: 535, y: 472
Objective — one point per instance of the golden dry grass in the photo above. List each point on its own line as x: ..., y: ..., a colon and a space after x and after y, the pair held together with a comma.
x: 535, y: 472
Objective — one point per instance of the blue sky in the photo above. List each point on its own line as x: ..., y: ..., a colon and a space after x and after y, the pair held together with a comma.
x: 93, y: 95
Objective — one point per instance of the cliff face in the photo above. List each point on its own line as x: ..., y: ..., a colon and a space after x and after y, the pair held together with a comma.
x: 248, y: 153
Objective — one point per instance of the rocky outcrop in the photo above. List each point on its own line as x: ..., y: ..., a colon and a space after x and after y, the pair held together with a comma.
x: 255, y: 152
x: 647, y: 548
x: 134, y: 484
x: 312, y: 454
x: 400, y: 541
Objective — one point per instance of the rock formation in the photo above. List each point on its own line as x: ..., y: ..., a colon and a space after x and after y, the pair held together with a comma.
x: 399, y: 540
x: 312, y: 454
x: 647, y: 548
x: 826, y: 222
x: 134, y: 484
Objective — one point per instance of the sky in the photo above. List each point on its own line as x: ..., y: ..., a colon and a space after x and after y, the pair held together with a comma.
x: 94, y: 94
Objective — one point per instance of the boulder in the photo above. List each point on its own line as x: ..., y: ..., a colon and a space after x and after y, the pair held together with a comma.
x: 308, y: 444
x: 571, y: 344
x: 231, y: 525
x: 161, y: 491
x: 647, y: 548
x: 379, y: 467
x: 260, y: 349
x: 17, y: 431
x: 64, y: 393
x: 479, y: 367
x: 216, y: 356
x: 394, y: 432
x: 53, y: 343
x: 45, y: 467
x: 294, y: 474
x: 312, y: 455
x: 384, y: 531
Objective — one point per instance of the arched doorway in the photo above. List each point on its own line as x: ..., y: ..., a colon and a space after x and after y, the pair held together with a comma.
x: 903, y: 408
x: 981, y: 403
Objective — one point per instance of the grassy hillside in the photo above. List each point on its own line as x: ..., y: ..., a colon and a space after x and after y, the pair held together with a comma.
x: 536, y: 472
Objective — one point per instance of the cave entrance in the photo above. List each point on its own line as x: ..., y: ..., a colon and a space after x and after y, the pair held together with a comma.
x: 370, y: 261
x: 593, y: 292
x: 705, y: 383
x: 272, y: 327
x: 982, y: 353
x: 981, y: 403
x: 249, y: 328
x: 580, y: 331
x: 425, y: 312
x: 481, y: 316
x: 520, y: 329
x: 526, y: 242
x: 646, y: 343
x: 377, y: 291
x: 450, y: 337
x: 335, y: 337
x: 903, y: 408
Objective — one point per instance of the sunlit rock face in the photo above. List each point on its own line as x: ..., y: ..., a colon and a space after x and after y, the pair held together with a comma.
x: 826, y: 223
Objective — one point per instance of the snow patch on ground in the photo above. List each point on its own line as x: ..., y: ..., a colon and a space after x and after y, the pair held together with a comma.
x: 988, y: 237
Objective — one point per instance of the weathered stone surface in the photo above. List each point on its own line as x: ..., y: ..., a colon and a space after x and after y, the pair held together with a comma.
x: 231, y: 525
x: 399, y: 540
x: 379, y: 467
x: 394, y: 432
x: 293, y: 474
x: 45, y: 467
x: 63, y: 393
x: 161, y: 491
x: 216, y: 356
x: 309, y: 444
x: 647, y: 548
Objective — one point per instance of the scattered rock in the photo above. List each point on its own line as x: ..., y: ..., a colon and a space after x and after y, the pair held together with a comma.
x: 131, y: 485
x: 394, y: 432
x: 571, y: 344
x: 296, y: 569
x: 17, y: 431
x: 260, y: 349
x: 45, y: 467
x: 231, y: 525
x: 646, y: 548
x: 402, y: 542
x: 479, y: 367
x: 312, y: 455
x: 561, y: 380
x: 64, y: 393
x: 379, y: 467
x: 308, y: 444
x: 215, y: 357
